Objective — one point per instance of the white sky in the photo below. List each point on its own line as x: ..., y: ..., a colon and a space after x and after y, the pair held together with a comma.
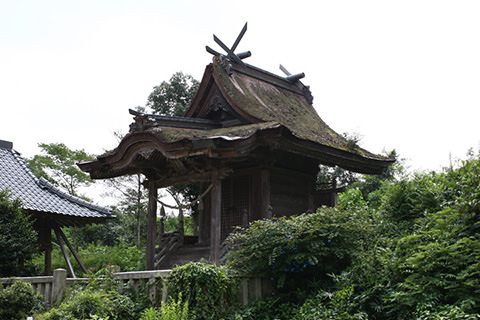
x: 402, y: 74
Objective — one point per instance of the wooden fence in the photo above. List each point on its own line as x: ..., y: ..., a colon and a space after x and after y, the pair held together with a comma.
x: 53, y: 288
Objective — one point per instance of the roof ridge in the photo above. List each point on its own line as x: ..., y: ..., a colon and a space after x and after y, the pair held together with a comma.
x: 44, y: 183
x: 4, y: 144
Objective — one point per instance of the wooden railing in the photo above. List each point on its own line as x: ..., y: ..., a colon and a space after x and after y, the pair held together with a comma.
x: 54, y: 287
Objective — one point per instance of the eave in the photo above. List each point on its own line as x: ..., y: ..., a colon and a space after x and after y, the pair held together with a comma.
x: 133, y: 153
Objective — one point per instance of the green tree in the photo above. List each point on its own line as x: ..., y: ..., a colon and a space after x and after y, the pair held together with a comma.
x: 17, y: 237
x: 172, y: 98
x: 58, y: 164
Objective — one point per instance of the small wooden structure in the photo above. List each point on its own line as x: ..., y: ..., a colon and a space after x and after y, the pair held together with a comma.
x: 50, y: 208
x: 250, y: 138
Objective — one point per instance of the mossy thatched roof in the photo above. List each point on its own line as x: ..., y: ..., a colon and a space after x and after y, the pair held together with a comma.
x: 237, y: 106
x: 264, y: 99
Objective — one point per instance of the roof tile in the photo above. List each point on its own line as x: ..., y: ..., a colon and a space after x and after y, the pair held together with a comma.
x: 39, y: 194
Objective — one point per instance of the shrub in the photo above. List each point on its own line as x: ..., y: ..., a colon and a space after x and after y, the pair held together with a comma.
x: 100, y: 299
x: 96, y: 257
x: 325, y: 305
x: 17, y: 237
x: 86, y: 303
x: 208, y: 289
x: 19, y: 300
x: 294, y: 252
x: 446, y: 312
x: 172, y: 310
x: 280, y: 306
x: 439, y: 264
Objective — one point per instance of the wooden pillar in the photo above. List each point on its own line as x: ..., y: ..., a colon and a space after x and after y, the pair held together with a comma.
x: 181, y: 228
x: 333, y: 194
x: 162, y: 224
x: 216, y: 223
x: 204, y: 223
x: 195, y: 222
x: 151, y: 225
x: 44, y: 228
x: 48, y: 258
x: 266, y: 209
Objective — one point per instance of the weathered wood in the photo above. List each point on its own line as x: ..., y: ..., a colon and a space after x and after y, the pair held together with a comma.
x: 54, y: 287
x: 181, y: 229
x: 204, y: 220
x: 80, y: 263
x: 216, y: 215
x: 193, y: 178
x: 162, y: 223
x: 64, y: 252
x: 151, y: 225
x: 265, y: 200
x: 45, y: 241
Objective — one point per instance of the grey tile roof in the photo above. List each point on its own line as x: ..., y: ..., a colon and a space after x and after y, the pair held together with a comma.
x: 39, y: 195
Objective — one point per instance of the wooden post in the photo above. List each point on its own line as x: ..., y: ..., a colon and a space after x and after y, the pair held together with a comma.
x: 161, y: 228
x: 48, y: 259
x: 151, y: 225
x: 216, y: 223
x: 203, y: 220
x: 59, y: 285
x: 64, y: 252
x: 266, y: 209
x: 162, y: 221
x: 333, y: 194
x: 45, y: 241
x: 181, y: 229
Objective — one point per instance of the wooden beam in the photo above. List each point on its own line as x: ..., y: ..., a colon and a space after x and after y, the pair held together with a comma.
x: 193, y: 178
x: 151, y: 225
x: 72, y: 250
x: 216, y: 223
x: 64, y: 252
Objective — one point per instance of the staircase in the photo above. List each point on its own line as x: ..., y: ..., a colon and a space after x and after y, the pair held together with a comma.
x: 174, y: 250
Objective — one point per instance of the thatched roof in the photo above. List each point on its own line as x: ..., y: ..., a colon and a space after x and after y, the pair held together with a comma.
x: 237, y: 109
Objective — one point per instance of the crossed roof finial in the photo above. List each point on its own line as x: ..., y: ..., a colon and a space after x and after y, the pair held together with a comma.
x: 231, y: 55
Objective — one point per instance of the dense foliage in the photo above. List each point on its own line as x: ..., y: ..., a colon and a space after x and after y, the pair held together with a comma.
x: 208, y: 289
x: 396, y: 247
x: 171, y: 310
x: 17, y: 237
x: 19, y: 301
x: 295, y: 252
x: 412, y: 249
x: 99, y: 299
x: 95, y: 257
